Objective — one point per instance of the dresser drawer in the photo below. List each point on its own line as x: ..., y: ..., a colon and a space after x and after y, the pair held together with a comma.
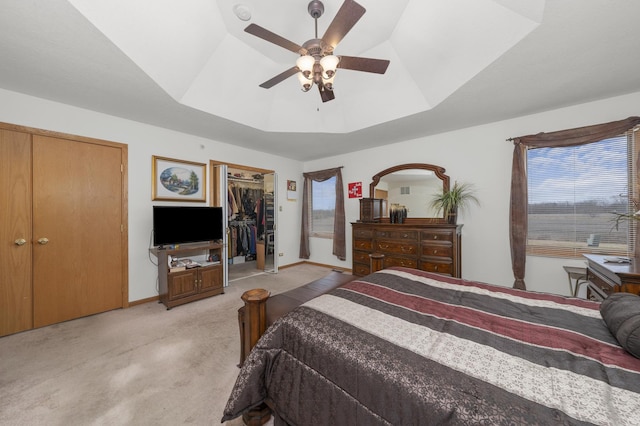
x: 361, y: 269
x: 438, y: 235
x: 602, y: 287
x: 390, y: 261
x: 444, y: 268
x: 363, y: 245
x: 397, y: 247
x: 396, y: 235
x: 442, y: 250
x: 362, y: 233
x: 361, y: 257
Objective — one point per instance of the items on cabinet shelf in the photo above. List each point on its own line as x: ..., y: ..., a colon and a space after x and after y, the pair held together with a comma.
x: 196, y: 280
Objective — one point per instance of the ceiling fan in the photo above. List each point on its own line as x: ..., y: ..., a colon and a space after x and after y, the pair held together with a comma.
x: 316, y: 63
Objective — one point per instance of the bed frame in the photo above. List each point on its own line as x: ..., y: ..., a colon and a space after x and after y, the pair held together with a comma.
x: 260, y: 310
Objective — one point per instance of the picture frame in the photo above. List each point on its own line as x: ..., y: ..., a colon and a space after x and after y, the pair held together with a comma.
x: 178, y: 180
x: 291, y: 190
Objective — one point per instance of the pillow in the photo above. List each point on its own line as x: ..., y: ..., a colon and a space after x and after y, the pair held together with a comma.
x: 621, y: 313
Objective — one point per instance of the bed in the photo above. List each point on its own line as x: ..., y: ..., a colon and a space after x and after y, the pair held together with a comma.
x: 402, y: 347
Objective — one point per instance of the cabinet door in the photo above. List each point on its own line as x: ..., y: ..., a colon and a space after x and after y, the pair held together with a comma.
x: 79, y: 244
x: 16, y: 312
x: 210, y: 279
x: 182, y: 284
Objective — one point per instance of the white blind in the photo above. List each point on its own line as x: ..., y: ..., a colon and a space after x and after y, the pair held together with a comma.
x: 574, y: 193
x: 323, y: 206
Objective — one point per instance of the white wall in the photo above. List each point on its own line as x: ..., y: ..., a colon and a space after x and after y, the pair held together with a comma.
x: 479, y: 155
x: 144, y: 141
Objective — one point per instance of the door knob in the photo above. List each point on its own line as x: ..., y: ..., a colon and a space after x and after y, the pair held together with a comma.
x: 43, y: 241
x: 20, y: 242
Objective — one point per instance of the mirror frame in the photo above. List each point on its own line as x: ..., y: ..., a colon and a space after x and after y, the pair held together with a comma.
x: 439, y: 172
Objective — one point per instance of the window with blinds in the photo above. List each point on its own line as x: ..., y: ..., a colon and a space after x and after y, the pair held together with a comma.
x: 323, y: 207
x: 576, y: 194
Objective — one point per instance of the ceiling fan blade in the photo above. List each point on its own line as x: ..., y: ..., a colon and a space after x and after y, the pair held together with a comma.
x: 279, y: 78
x: 350, y: 12
x: 325, y: 94
x: 274, y: 38
x: 378, y: 66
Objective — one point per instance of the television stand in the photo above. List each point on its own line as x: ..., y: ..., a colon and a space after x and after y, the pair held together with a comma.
x: 180, y: 287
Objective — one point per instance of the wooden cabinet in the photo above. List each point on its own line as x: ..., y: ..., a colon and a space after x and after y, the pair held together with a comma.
x: 180, y: 287
x: 605, y: 278
x: 429, y: 247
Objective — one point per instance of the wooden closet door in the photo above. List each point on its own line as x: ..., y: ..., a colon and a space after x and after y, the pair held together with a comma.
x: 15, y: 227
x: 77, y: 233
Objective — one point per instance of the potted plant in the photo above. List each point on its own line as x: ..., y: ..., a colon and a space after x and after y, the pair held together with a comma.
x: 458, y: 198
x: 621, y: 217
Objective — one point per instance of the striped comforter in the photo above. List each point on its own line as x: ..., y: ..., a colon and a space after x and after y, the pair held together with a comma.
x: 405, y: 347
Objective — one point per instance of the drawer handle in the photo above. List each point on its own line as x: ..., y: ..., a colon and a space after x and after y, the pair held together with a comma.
x: 435, y: 237
x: 384, y: 246
x: 435, y: 251
x: 405, y: 236
x: 435, y: 268
x: 406, y: 249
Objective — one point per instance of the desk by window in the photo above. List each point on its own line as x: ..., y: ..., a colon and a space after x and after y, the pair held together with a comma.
x: 606, y: 277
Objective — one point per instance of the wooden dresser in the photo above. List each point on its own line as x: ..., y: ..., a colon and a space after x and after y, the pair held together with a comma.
x: 606, y: 277
x: 429, y: 247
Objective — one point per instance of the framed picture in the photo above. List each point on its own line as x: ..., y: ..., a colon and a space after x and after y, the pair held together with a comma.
x: 291, y: 190
x: 178, y: 180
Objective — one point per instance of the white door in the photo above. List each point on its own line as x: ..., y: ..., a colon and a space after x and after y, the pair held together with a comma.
x: 221, y: 173
x: 271, y: 221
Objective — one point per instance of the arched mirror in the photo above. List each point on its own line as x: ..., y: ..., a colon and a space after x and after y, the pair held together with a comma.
x: 412, y: 187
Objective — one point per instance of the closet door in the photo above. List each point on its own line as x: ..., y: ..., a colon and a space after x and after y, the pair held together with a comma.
x: 15, y: 232
x: 78, y: 229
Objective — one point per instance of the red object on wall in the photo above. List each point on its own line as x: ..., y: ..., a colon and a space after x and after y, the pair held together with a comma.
x: 355, y: 190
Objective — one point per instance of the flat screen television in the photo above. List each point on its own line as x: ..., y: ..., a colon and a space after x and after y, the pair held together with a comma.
x: 186, y: 224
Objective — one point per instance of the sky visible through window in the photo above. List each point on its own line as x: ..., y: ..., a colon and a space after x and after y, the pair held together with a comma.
x: 574, y: 174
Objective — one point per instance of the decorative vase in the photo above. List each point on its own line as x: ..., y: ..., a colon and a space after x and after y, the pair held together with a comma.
x: 452, y: 217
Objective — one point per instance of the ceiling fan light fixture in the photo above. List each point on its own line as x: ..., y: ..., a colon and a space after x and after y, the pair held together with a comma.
x: 304, y: 82
x: 328, y: 82
x: 305, y: 65
x: 329, y: 64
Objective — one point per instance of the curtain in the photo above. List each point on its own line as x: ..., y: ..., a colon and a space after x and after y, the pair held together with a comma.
x: 519, y: 197
x: 339, y: 242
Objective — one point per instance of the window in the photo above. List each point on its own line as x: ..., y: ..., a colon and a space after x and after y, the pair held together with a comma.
x: 323, y: 207
x: 574, y: 193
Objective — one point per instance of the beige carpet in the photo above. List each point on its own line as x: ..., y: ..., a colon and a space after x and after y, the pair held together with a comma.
x: 138, y: 366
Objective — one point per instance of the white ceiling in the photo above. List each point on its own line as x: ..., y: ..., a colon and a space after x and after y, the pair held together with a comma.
x: 189, y: 66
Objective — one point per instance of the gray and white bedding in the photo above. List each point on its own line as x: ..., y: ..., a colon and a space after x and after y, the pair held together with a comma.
x: 403, y: 347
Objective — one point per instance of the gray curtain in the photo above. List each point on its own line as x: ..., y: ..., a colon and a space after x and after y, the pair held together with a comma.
x: 339, y: 242
x: 519, y: 197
